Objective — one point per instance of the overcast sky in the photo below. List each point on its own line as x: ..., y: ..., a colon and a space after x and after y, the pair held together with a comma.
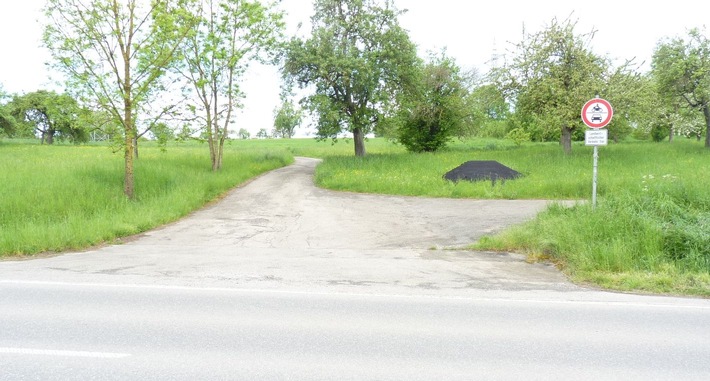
x: 471, y: 31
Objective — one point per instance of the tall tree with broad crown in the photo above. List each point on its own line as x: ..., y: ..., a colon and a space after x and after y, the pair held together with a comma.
x: 357, y: 61
x: 552, y: 73
x: 50, y: 115
x: 682, y: 69
x: 115, y: 54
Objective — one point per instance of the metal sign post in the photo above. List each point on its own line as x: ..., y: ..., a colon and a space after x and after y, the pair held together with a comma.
x: 596, y: 114
x: 594, y: 177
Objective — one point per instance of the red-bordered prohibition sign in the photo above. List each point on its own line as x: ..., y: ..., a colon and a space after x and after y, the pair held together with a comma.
x: 597, y: 113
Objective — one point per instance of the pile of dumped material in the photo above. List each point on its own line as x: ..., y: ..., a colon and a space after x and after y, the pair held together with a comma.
x: 482, y: 170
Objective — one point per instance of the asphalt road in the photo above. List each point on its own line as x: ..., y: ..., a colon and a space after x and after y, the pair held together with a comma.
x: 58, y: 332
x: 284, y: 281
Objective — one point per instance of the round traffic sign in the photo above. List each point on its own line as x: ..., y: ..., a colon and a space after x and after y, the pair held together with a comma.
x: 597, y: 113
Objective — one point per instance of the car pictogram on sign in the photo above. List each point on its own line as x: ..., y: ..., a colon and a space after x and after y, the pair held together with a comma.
x: 597, y: 113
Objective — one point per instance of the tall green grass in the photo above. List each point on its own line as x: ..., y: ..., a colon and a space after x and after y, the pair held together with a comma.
x: 55, y: 198
x: 547, y: 173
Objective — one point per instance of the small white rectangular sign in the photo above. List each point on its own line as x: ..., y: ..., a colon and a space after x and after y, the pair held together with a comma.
x: 596, y: 137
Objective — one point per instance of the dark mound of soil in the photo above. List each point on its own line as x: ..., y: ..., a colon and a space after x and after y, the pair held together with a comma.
x: 481, y: 170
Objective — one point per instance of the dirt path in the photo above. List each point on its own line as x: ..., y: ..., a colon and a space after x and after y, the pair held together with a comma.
x: 281, y: 232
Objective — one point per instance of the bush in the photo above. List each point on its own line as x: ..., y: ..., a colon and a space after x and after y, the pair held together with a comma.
x: 659, y: 132
x: 518, y: 136
x: 496, y: 129
x: 435, y: 110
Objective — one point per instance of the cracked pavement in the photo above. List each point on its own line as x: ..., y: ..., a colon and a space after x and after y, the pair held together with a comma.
x: 281, y: 232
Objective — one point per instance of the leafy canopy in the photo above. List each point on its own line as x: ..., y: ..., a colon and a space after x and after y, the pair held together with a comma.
x: 435, y: 109
x: 552, y: 73
x: 681, y: 67
x: 356, y: 61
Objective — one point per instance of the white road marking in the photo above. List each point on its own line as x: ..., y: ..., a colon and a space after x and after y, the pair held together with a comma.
x: 654, y: 302
x: 62, y: 353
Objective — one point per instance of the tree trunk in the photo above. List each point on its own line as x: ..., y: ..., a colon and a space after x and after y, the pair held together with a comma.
x: 706, y: 112
x: 135, y: 147
x: 670, y: 135
x: 50, y: 136
x: 359, y: 138
x: 128, y: 184
x: 220, y: 154
x: 130, y: 139
x: 566, y: 140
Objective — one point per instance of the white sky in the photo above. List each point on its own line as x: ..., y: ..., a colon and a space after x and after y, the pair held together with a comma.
x: 470, y: 31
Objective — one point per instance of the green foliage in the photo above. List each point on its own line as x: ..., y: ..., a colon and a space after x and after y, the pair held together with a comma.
x: 79, y: 202
x: 286, y: 119
x: 49, y: 115
x: 7, y: 121
x: 496, y: 129
x: 115, y: 54
x: 660, y: 131
x: 634, y: 99
x: 228, y: 35
x: 682, y: 69
x: 162, y: 134
x: 262, y: 134
x: 489, y: 110
x: 518, y: 136
x: 357, y: 60
x: 243, y: 133
x: 554, y: 72
x: 434, y: 109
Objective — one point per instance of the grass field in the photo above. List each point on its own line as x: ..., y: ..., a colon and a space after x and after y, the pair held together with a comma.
x: 56, y: 198
x: 649, y: 232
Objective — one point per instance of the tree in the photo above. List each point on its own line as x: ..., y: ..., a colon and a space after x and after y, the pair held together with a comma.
x: 244, y: 134
x: 682, y: 69
x: 262, y: 134
x: 552, y: 74
x: 357, y: 60
x: 435, y: 109
x: 489, y: 111
x: 230, y: 34
x: 286, y: 119
x: 50, y: 115
x: 115, y: 55
x: 7, y: 121
x: 633, y: 97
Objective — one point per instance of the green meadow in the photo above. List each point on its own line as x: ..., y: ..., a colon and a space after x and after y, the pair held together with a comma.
x: 649, y: 232
x: 57, y: 198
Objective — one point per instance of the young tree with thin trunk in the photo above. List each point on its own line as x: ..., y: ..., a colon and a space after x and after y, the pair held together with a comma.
x: 230, y: 35
x: 357, y: 60
x: 115, y: 54
x: 286, y: 118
